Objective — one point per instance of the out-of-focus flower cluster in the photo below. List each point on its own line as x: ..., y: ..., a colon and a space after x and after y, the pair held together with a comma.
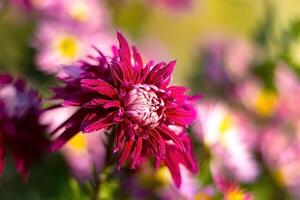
x: 125, y: 130
x: 249, y: 122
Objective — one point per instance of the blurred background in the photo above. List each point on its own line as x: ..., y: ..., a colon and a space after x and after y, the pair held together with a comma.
x: 242, y: 55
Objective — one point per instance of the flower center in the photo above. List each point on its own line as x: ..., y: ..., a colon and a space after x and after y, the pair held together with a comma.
x: 78, y: 143
x: 67, y: 46
x: 143, y: 106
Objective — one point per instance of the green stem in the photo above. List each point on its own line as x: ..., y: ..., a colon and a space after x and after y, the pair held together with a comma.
x: 96, y: 183
x: 96, y: 189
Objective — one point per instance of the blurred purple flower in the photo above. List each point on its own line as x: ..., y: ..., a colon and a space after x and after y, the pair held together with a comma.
x: 20, y: 130
x: 226, y: 60
x: 229, y: 136
x: 136, y: 101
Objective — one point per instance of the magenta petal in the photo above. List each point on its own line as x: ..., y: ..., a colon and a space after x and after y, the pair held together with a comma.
x: 173, y: 167
x: 99, y: 102
x: 146, y: 71
x: 116, y: 74
x: 187, y: 159
x: 125, y: 152
x: 138, y: 65
x: 181, y: 116
x: 137, y: 153
x: 153, y: 72
x: 163, y: 75
x: 95, y: 121
x: 96, y: 126
x: 138, y: 59
x: 175, y: 157
x: 178, y: 93
x: 100, y: 86
x: 164, y: 129
x: 119, y: 139
x: 125, y: 56
x: 160, y: 141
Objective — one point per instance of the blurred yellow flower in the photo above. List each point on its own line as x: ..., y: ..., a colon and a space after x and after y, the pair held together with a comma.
x: 265, y: 103
x: 235, y: 195
x: 202, y: 196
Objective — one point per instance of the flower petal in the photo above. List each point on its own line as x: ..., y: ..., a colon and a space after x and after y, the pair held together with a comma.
x: 167, y: 132
x: 180, y: 116
x: 64, y: 138
x: 100, y: 86
x: 125, y: 152
x: 125, y: 56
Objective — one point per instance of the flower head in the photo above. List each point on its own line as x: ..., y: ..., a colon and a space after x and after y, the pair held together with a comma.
x: 63, y: 44
x: 20, y: 130
x: 229, y: 136
x: 288, y: 88
x: 231, y: 189
x: 258, y: 99
x: 136, y: 103
x: 35, y: 5
x: 280, y: 149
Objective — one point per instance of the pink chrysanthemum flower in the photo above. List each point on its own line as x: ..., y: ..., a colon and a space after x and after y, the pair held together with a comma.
x: 20, y: 129
x: 136, y: 103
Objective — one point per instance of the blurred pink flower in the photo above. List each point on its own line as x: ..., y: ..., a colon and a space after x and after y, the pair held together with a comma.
x: 61, y: 44
x: 288, y: 88
x: 280, y: 149
x: 35, y: 5
x: 257, y: 99
x: 84, y: 153
x: 229, y: 136
x: 190, y: 188
x: 88, y: 14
